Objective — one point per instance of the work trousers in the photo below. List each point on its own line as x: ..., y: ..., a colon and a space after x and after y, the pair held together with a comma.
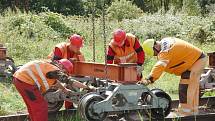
x: 37, y: 106
x: 189, y: 88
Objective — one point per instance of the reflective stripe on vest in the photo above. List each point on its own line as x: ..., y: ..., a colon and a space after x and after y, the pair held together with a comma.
x: 162, y: 63
x: 42, y: 76
x: 39, y: 71
x: 30, y: 73
x: 126, y: 57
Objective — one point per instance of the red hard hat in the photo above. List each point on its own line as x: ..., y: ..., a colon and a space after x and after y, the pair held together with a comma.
x: 76, y: 40
x: 119, y: 36
x: 67, y: 65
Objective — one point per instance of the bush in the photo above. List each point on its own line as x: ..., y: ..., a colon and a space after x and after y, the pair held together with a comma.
x: 123, y: 9
x: 191, y: 8
x: 56, y: 22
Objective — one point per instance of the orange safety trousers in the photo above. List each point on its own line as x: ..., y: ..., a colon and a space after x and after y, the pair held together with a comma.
x: 37, y: 106
x: 189, y: 88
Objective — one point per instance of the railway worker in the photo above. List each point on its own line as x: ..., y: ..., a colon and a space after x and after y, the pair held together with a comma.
x: 183, y: 59
x: 69, y: 50
x: 125, y: 48
x: 34, y: 78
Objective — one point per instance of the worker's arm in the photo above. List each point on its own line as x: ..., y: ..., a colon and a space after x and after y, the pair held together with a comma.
x: 110, y: 55
x: 140, y: 52
x: 77, y: 84
x: 63, y: 78
x: 159, y: 67
x: 156, y: 72
x: 57, y: 54
x: 59, y: 85
x: 55, y: 75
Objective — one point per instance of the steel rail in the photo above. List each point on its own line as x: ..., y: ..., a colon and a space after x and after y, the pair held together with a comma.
x: 206, y: 101
x: 201, y: 117
x: 53, y: 116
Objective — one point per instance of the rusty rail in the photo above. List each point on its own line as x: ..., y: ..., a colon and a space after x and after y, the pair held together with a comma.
x: 53, y: 116
x: 207, y: 101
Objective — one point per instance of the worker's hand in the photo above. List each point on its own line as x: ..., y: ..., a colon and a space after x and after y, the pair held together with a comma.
x: 66, y: 91
x: 139, y: 70
x: 90, y: 89
x: 54, y: 87
x: 144, y: 82
x: 73, y: 59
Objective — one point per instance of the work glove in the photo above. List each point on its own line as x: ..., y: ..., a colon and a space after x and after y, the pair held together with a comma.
x: 90, y: 89
x: 122, y: 60
x: 67, y: 91
x: 73, y: 59
x: 144, y: 82
x: 81, y: 58
x: 139, y: 70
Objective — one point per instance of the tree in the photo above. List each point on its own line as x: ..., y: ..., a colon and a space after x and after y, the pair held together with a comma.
x: 122, y: 9
x: 191, y: 7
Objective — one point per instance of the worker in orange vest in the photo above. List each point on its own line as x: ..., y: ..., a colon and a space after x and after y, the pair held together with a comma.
x: 36, y: 77
x: 181, y: 58
x: 69, y: 50
x: 125, y: 48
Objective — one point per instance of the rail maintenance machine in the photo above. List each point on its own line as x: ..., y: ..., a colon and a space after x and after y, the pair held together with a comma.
x: 119, y: 95
x: 207, y: 81
x: 7, y: 66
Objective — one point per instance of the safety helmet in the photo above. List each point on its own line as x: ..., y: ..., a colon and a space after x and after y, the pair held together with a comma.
x: 148, y: 47
x: 119, y: 36
x: 76, y: 40
x: 66, y: 65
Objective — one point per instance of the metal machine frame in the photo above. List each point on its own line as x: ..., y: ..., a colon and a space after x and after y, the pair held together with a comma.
x: 7, y: 66
x: 119, y: 93
x: 207, y: 81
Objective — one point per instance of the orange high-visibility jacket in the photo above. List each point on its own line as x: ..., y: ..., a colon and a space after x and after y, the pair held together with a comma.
x: 63, y: 48
x: 34, y: 73
x: 176, y: 56
x: 127, y: 55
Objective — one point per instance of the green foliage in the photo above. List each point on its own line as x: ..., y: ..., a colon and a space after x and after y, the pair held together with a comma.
x: 27, y: 33
x: 191, y: 7
x: 10, y: 100
x: 210, y: 93
x: 84, y: 7
x: 123, y: 9
x: 66, y: 7
x: 159, y: 26
x: 56, y: 22
x: 203, y: 33
x: 75, y: 117
x: 22, y: 46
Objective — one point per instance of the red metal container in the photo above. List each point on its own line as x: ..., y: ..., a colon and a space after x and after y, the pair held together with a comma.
x: 211, y: 59
x: 2, y: 52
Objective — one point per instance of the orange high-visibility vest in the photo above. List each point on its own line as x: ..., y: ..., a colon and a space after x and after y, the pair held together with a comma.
x: 64, y: 51
x: 175, y: 59
x: 127, y: 55
x: 34, y: 73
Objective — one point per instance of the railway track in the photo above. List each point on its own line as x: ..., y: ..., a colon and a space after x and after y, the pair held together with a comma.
x: 204, y: 102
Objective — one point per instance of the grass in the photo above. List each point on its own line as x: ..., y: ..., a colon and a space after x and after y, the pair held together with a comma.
x: 10, y: 101
x: 75, y: 117
x: 29, y: 37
